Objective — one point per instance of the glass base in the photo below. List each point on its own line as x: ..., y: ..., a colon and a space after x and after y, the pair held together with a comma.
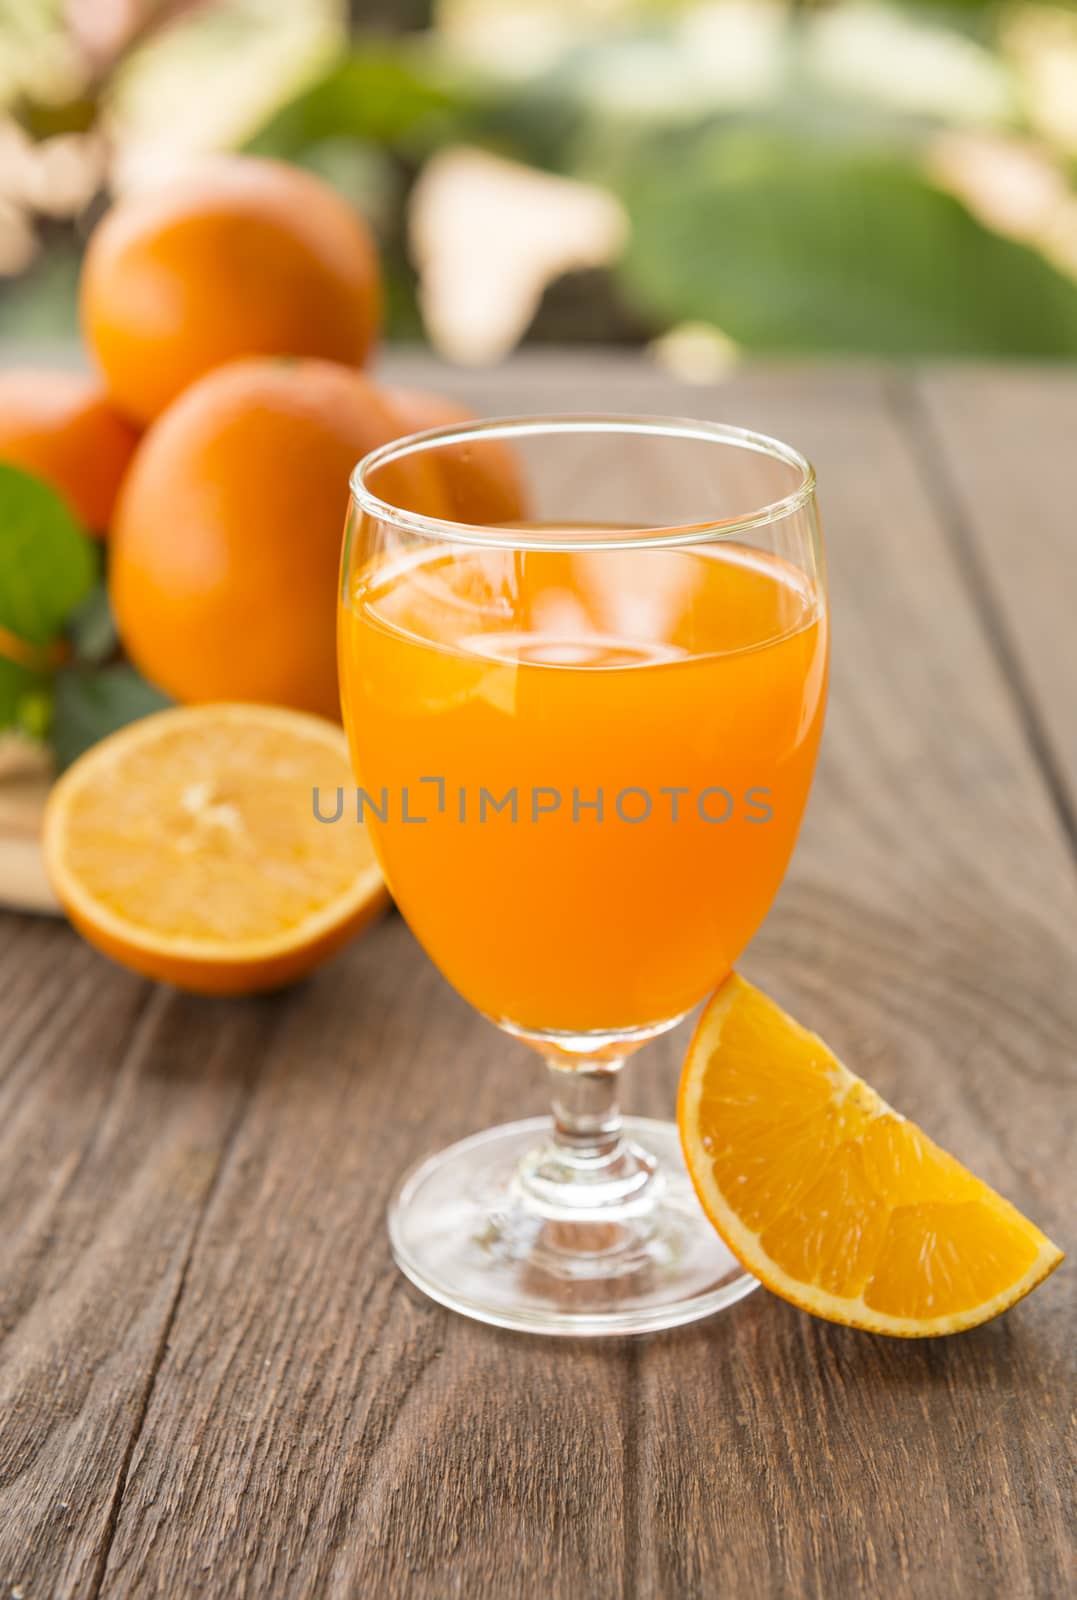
x: 478, y: 1229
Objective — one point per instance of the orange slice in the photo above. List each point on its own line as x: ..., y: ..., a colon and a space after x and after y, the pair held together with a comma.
x: 186, y: 847
x: 830, y: 1198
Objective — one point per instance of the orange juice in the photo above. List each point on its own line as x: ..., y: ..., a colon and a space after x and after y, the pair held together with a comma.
x: 584, y: 771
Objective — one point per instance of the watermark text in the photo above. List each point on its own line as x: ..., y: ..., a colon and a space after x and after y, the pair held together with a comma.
x: 433, y: 799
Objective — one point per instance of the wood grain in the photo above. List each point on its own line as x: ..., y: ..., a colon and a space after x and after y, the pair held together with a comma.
x: 928, y: 929
x: 1003, y: 462
x: 317, y: 1426
x: 116, y: 1103
x: 210, y: 1362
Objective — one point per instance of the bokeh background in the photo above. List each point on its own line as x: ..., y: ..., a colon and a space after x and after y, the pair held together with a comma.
x: 711, y: 178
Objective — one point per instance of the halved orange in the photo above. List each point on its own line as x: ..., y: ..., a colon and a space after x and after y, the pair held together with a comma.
x: 186, y: 846
x: 828, y: 1196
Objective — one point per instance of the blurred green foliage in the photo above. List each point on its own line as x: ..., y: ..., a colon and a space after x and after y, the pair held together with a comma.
x: 376, y: 95
x: 787, y: 194
x: 42, y: 304
x: 803, y: 219
x: 795, y: 245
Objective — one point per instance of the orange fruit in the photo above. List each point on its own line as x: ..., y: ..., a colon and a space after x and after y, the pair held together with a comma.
x: 61, y: 427
x: 482, y: 479
x: 830, y: 1198
x: 241, y: 257
x: 185, y: 846
x: 225, y: 554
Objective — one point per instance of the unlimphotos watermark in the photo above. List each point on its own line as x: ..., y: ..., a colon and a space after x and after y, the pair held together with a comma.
x: 432, y: 798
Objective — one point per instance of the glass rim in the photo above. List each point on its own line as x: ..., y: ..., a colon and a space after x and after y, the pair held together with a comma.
x: 526, y: 426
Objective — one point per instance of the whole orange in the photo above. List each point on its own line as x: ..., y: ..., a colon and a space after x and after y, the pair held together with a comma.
x: 60, y: 426
x: 225, y: 551
x: 242, y: 257
x: 482, y: 479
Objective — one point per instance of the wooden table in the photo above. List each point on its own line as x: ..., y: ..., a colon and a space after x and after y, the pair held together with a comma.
x: 214, y: 1381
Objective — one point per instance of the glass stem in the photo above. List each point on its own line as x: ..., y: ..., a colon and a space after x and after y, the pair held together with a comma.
x: 587, y: 1167
x: 586, y: 1110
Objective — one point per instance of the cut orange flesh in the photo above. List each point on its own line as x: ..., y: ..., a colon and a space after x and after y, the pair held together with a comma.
x: 830, y: 1198
x: 186, y: 847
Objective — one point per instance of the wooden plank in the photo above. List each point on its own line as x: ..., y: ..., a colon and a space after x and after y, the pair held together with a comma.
x: 317, y: 1429
x: 314, y: 1428
x: 927, y: 930
x: 1003, y: 460
x: 116, y: 1105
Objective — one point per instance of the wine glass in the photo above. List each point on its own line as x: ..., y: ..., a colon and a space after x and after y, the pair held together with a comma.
x: 583, y: 669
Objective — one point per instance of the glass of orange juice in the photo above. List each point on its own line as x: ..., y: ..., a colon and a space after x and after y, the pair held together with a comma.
x: 583, y: 666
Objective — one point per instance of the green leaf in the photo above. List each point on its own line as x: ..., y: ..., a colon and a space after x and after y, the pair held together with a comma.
x: 34, y: 712
x: 47, y: 564
x: 804, y: 246
x: 376, y: 94
x: 16, y: 681
x: 90, y: 705
x: 91, y: 628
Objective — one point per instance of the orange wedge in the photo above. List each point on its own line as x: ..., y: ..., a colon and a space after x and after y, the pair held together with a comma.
x: 830, y: 1198
x: 186, y: 847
